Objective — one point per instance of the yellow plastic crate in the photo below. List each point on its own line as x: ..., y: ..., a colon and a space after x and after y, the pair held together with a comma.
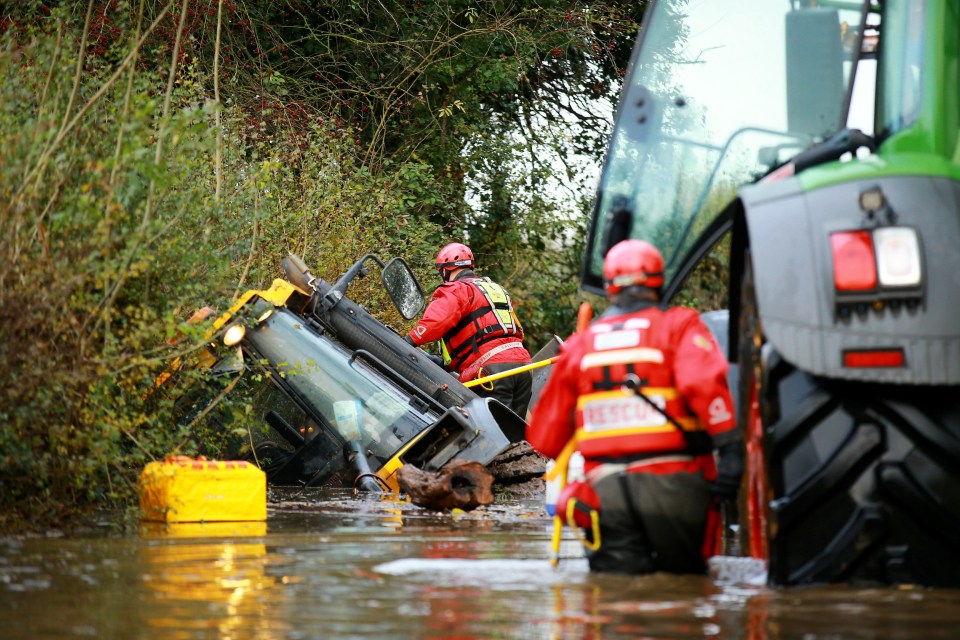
x: 182, y: 489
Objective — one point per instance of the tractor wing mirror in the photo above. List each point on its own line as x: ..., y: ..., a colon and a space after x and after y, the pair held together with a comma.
x: 403, y: 288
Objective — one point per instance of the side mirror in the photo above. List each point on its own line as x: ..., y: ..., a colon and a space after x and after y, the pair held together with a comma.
x: 814, y: 56
x: 403, y: 288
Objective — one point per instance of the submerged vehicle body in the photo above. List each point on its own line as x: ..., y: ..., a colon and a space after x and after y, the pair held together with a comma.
x: 339, y: 397
x: 818, y: 143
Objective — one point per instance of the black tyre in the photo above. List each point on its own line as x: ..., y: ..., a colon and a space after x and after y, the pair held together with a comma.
x: 860, y: 482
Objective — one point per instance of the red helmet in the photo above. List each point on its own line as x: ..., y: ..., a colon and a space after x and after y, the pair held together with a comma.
x: 632, y: 262
x: 454, y: 255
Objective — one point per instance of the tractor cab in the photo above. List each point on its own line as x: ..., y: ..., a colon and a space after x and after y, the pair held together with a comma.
x: 718, y: 95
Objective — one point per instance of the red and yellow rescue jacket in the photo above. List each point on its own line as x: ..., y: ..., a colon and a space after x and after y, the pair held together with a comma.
x: 676, y: 363
x: 472, y: 316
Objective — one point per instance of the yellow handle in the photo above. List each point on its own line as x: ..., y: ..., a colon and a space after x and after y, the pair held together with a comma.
x: 555, y: 541
x: 594, y: 527
x: 559, y: 468
x: 504, y: 374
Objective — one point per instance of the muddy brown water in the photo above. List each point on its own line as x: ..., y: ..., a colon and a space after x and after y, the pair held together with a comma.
x: 327, y: 565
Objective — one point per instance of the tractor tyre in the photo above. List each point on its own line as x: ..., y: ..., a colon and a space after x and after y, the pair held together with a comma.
x: 860, y: 482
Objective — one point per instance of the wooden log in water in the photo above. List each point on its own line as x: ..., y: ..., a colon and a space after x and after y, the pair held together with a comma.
x: 459, y: 485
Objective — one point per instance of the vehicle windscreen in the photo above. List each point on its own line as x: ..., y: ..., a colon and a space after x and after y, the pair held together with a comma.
x: 719, y: 93
x: 346, y: 394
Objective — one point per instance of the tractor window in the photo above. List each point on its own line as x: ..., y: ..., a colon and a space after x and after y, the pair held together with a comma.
x: 337, y: 389
x: 231, y: 418
x: 719, y: 93
x: 903, y: 38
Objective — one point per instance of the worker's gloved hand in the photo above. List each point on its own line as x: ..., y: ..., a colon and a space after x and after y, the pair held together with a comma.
x: 729, y: 470
x: 409, y: 340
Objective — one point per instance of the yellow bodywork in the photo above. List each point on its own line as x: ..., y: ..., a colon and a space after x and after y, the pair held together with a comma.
x: 388, y: 472
x: 277, y: 295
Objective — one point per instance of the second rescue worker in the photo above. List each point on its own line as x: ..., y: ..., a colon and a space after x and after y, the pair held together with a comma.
x: 480, y: 334
x: 649, y: 460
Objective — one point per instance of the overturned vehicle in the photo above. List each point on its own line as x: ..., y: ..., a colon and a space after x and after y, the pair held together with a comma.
x: 328, y: 395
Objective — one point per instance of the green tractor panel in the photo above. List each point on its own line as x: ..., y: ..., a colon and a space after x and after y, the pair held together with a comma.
x: 816, y: 147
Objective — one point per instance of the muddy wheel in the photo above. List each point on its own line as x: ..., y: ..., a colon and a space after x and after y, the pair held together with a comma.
x: 859, y: 482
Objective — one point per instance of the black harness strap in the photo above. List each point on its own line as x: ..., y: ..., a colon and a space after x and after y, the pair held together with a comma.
x: 609, y: 384
x: 698, y: 442
x: 468, y: 319
x: 474, y: 345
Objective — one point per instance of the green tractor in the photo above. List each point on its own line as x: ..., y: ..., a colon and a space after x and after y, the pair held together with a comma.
x: 813, y: 147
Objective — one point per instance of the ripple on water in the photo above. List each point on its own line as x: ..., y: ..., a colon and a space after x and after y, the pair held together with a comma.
x: 503, y: 573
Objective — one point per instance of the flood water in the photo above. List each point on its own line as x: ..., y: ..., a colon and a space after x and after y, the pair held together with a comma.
x: 327, y: 565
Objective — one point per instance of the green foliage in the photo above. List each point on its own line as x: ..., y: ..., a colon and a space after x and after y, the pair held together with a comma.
x: 140, y: 183
x: 113, y: 235
x: 706, y: 288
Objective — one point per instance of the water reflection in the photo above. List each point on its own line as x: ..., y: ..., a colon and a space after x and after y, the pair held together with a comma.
x: 331, y: 566
x: 209, y: 577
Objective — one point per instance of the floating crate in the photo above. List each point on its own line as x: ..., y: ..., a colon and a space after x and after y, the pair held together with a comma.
x: 182, y: 489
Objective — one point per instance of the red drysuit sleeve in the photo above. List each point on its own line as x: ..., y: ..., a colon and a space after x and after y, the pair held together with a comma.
x: 700, y: 372
x: 443, y: 312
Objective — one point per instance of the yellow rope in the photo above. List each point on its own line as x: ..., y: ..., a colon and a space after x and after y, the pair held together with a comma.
x: 504, y: 374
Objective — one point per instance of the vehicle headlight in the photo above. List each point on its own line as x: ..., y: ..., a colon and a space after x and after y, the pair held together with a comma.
x: 234, y: 334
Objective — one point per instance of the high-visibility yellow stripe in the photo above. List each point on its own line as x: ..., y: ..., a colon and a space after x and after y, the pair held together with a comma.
x: 629, y: 431
x: 688, y: 424
x: 667, y: 393
x: 621, y: 356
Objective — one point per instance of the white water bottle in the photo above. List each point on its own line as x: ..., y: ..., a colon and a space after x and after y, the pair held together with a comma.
x: 574, y: 474
x: 575, y: 471
x: 552, y: 491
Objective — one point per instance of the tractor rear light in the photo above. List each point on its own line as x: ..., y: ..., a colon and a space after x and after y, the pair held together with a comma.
x: 854, y: 264
x: 874, y: 358
x: 898, y: 256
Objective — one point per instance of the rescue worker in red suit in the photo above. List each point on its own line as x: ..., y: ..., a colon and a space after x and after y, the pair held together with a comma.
x: 479, y: 331
x: 655, y: 483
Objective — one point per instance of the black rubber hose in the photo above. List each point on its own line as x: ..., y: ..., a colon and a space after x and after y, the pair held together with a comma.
x: 844, y: 141
x: 365, y: 479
